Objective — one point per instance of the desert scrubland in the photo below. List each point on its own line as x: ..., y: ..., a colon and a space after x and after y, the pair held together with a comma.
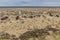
x: 30, y: 23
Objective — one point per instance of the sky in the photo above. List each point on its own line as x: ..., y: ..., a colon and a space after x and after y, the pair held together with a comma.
x: 29, y: 2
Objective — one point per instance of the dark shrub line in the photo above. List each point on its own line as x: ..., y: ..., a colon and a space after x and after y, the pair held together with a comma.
x: 38, y: 33
x: 42, y: 33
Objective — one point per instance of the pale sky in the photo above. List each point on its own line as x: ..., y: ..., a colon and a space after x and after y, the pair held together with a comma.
x: 29, y: 2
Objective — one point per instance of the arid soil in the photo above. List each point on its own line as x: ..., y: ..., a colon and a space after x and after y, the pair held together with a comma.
x: 18, y: 21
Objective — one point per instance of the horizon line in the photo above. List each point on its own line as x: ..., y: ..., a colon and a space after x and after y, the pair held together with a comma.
x: 29, y: 6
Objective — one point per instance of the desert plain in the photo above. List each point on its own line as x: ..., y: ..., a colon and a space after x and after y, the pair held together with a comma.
x: 29, y: 23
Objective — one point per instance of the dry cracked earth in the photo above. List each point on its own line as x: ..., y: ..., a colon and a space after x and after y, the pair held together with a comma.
x: 29, y: 23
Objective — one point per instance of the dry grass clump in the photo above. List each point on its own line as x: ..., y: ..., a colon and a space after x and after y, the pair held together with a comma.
x: 6, y: 36
x: 41, y: 34
x: 53, y: 13
x: 36, y: 34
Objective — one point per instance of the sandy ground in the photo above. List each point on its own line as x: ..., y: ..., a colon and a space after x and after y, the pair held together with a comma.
x: 20, y: 26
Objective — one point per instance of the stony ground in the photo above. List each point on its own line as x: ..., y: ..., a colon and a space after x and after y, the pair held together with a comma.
x: 18, y: 22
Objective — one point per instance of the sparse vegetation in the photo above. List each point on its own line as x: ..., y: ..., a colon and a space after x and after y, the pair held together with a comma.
x: 4, y: 18
x: 40, y: 34
x: 36, y: 34
x: 31, y: 23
